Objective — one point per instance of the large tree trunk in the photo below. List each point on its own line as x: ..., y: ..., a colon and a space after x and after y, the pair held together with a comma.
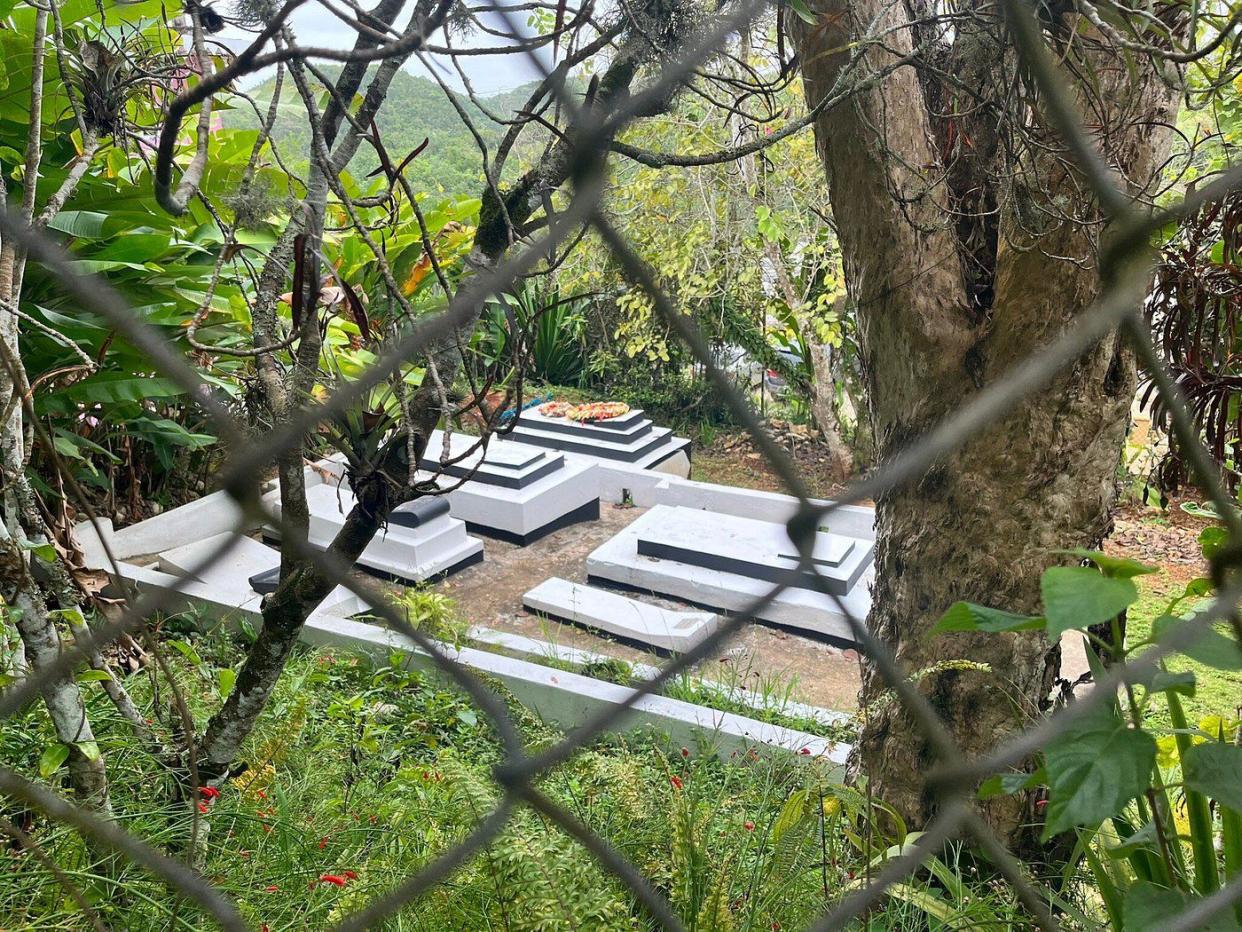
x: 953, y: 287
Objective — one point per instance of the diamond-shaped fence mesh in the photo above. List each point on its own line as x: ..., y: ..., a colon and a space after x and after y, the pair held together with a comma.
x: 955, y: 776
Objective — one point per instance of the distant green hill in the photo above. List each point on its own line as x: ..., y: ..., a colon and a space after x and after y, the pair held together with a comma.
x: 416, y: 109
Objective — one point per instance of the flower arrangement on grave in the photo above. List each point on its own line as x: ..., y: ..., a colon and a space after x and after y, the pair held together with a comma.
x: 598, y: 411
x: 556, y: 409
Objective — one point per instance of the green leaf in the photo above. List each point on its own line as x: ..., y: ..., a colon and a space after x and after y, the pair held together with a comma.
x: 966, y: 616
x: 1094, y: 769
x: 1215, y: 769
x: 803, y: 11
x: 468, y: 717
x: 226, y: 679
x: 186, y: 650
x: 1211, y: 647
x: 120, y: 386
x: 45, y: 552
x: 1113, y: 567
x: 1005, y: 784
x: 1212, y: 539
x: 1165, y: 681
x: 89, y: 749
x: 85, y: 224
x: 1078, y: 597
x: 52, y: 758
x: 791, y: 814
x: 1145, y: 837
x: 92, y: 676
x: 1150, y: 908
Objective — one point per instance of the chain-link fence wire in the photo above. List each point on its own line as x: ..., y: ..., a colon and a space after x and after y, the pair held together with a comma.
x: 952, y: 779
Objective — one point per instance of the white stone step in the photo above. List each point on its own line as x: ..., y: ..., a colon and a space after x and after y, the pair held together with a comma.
x: 749, y: 547
x: 622, y: 449
x: 619, y: 615
x: 619, y: 563
x: 229, y: 576
x: 501, y: 462
x: 629, y: 426
x: 521, y: 516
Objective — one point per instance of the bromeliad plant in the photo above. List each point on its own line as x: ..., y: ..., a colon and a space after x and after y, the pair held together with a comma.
x: 1155, y: 802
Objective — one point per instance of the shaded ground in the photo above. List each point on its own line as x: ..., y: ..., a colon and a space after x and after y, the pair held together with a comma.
x: 491, y: 595
x: 732, y: 459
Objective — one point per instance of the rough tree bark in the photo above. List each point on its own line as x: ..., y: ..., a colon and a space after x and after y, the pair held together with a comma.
x: 960, y: 267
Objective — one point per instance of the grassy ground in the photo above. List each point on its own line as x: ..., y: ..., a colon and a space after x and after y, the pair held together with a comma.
x: 358, y: 776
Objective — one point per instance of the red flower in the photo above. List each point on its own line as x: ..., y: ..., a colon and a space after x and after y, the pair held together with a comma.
x: 265, y: 928
x: 805, y: 751
x: 273, y: 889
x: 685, y: 752
x: 202, y: 807
x: 209, y: 792
x: 333, y: 879
x: 260, y: 794
x: 323, y: 842
x: 677, y: 781
x: 748, y: 825
x: 350, y: 874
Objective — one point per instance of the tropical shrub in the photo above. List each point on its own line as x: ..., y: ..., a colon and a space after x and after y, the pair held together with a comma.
x: 1152, y: 799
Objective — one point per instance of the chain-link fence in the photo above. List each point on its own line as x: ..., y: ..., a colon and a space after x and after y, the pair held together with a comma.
x: 955, y: 776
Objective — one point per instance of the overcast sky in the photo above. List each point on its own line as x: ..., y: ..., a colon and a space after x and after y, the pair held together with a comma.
x: 489, y: 74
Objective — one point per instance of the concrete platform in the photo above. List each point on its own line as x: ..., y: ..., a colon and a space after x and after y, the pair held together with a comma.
x: 619, y: 563
x: 231, y: 576
x: 749, y: 547
x: 429, y: 551
x: 520, y: 493
x: 626, y: 618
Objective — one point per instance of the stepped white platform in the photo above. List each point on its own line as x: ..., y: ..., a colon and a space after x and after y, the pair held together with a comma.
x: 232, y: 577
x: 726, y: 563
x: 515, y: 492
x: 631, y: 438
x: 422, y: 542
x: 625, y: 618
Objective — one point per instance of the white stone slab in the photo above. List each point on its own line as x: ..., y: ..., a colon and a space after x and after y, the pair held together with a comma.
x: 569, y: 699
x: 211, y: 514
x: 520, y: 644
x: 759, y: 549
x: 619, y: 615
x: 502, y: 462
x: 91, y: 538
x: 618, y: 562
x: 229, y: 575
x: 210, y: 602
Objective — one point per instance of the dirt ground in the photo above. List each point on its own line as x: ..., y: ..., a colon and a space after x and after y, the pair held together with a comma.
x: 820, y: 673
x: 817, y: 672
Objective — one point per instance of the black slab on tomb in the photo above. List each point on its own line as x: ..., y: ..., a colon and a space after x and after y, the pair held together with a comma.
x: 835, y: 581
x: 505, y: 475
x: 265, y: 583
x: 600, y: 446
x: 599, y: 430
x: 417, y: 513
